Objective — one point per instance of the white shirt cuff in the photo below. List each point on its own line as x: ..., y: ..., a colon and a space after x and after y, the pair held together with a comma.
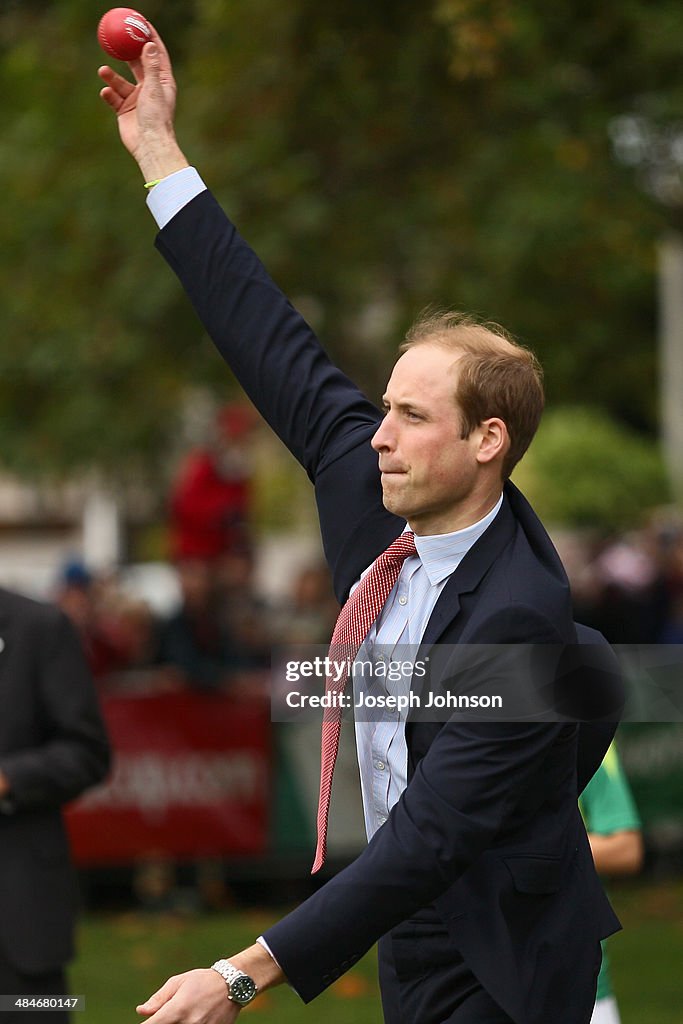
x: 262, y: 942
x: 173, y: 193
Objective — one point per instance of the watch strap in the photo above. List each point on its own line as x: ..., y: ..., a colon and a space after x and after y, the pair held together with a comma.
x: 230, y: 975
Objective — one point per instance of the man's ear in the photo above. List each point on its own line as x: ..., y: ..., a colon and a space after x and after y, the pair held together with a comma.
x: 494, y: 440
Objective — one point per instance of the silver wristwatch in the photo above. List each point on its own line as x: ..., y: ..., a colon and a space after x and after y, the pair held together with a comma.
x: 241, y: 988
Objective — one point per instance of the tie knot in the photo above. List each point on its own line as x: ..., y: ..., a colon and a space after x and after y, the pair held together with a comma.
x: 403, y: 547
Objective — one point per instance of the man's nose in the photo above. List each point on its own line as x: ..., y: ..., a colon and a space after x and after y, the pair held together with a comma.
x: 383, y: 436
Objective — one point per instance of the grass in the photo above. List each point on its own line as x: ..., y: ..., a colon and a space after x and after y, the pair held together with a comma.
x: 125, y: 957
x: 647, y: 957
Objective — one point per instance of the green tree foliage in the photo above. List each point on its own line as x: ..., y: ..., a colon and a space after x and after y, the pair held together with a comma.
x: 381, y: 157
x: 586, y: 469
x: 97, y: 342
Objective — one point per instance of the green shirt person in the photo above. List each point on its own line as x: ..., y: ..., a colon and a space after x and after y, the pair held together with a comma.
x: 613, y: 827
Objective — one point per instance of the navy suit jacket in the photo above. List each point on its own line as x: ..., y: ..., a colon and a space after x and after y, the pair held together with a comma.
x: 53, y: 746
x: 488, y: 828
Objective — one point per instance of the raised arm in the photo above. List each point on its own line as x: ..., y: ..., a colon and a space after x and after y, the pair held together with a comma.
x: 319, y: 414
x: 314, y: 408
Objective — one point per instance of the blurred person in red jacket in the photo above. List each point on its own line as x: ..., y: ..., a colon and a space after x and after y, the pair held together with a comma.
x: 211, y: 497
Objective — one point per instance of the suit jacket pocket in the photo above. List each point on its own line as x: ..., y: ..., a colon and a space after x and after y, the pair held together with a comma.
x: 536, y: 875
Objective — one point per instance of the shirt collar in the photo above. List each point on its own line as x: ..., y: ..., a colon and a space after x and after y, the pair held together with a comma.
x: 441, y: 555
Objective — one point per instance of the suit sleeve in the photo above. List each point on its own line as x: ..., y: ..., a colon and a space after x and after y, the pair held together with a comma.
x: 605, y: 697
x: 75, y: 752
x: 312, y: 406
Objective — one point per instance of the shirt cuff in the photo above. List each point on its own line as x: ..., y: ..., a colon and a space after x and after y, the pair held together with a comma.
x: 262, y: 942
x: 173, y: 193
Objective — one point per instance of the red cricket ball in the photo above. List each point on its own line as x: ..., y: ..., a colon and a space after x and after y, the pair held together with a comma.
x: 122, y: 32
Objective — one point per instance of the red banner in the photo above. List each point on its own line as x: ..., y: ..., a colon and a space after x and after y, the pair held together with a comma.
x: 191, y: 778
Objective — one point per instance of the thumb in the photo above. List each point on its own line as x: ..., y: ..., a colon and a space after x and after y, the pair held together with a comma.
x: 161, y: 996
x: 150, y: 62
x: 158, y: 84
x: 154, y: 109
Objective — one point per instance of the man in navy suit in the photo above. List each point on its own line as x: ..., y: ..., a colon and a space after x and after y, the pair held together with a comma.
x: 53, y: 746
x: 477, y: 878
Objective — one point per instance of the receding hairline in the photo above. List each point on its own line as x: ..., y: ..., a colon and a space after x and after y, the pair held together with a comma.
x: 460, y: 333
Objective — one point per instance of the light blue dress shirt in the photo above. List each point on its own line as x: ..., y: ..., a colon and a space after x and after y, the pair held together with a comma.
x: 395, y: 638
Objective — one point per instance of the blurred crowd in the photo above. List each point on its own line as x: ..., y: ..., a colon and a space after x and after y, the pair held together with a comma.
x: 220, y: 637
x: 629, y: 586
x: 222, y: 633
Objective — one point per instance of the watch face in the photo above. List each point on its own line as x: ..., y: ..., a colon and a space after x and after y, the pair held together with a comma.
x: 242, y: 990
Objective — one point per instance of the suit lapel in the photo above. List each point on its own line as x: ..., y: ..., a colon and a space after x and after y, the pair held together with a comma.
x: 468, y: 576
x: 447, y: 610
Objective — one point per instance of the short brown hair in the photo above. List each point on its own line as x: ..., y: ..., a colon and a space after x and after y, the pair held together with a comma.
x: 498, y: 376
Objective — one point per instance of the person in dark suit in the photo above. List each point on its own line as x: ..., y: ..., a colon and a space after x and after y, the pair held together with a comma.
x: 477, y: 878
x: 53, y: 746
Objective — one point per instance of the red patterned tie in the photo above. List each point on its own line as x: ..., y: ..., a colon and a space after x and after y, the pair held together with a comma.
x: 353, y: 625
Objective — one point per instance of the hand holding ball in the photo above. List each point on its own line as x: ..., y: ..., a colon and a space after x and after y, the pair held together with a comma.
x: 122, y: 32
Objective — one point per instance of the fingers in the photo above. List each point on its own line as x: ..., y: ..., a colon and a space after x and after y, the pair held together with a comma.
x: 196, y: 995
x: 116, y: 82
x: 111, y: 98
x: 137, y: 68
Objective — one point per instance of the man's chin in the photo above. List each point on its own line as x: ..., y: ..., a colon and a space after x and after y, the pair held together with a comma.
x: 392, y: 503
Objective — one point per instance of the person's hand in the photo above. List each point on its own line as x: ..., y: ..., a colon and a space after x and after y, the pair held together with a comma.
x: 197, y: 997
x: 201, y: 996
x: 146, y: 110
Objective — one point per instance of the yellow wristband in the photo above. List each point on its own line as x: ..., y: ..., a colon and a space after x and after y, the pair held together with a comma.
x: 151, y: 184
